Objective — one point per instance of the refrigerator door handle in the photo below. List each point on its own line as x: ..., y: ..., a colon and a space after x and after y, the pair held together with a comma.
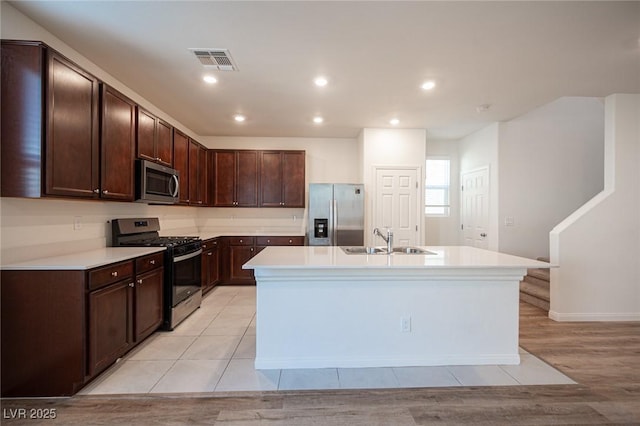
x: 334, y: 225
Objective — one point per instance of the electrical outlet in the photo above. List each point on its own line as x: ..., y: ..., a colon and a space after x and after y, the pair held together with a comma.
x: 405, y: 324
x: 77, y: 223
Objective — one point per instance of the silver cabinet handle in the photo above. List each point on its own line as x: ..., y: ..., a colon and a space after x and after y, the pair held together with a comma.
x: 140, y: 281
x: 152, y: 262
x: 132, y: 285
x: 105, y: 191
x: 96, y: 191
x: 114, y: 274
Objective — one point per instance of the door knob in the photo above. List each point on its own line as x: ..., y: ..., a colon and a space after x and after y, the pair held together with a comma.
x: 483, y: 235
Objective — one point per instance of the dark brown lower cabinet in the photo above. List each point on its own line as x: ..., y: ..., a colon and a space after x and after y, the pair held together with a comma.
x: 124, y: 313
x: 60, y: 329
x: 210, y: 264
x: 147, y: 304
x: 239, y: 250
x: 43, y: 333
x: 109, y: 325
x: 239, y: 255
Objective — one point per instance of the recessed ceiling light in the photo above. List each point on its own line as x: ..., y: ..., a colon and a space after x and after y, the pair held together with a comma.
x: 483, y: 107
x: 428, y: 85
x: 239, y: 118
x: 394, y: 121
x: 320, y: 81
x: 210, y: 79
x: 318, y: 119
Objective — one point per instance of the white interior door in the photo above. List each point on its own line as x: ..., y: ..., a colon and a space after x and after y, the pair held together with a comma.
x: 396, y: 205
x: 475, y: 207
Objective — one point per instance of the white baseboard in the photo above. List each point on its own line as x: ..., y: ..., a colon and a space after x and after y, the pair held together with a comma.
x: 572, y: 316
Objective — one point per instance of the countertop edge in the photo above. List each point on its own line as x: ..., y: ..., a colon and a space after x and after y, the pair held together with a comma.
x: 82, y: 260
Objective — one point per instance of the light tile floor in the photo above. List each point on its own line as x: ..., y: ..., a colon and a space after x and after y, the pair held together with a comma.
x: 214, y: 350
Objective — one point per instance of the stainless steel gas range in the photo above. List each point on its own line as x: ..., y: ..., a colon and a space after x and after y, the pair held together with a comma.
x: 182, y: 264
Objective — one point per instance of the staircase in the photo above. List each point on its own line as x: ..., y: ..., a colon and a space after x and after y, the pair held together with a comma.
x: 534, y: 288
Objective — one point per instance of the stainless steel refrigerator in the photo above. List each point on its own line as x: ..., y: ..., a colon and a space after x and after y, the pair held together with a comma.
x: 336, y: 214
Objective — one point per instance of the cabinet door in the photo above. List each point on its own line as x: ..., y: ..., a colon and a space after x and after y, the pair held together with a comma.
x: 72, y: 137
x: 181, y: 163
x: 293, y: 179
x: 145, y: 135
x: 197, y: 164
x: 164, y: 143
x: 210, y: 268
x: 247, y: 179
x: 109, y: 325
x: 203, y: 177
x: 117, y: 146
x: 224, y: 172
x: 239, y: 255
x: 148, y: 303
x: 22, y: 96
x: 271, y: 179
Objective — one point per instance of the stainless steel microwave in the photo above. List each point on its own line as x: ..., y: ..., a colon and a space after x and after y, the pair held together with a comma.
x: 156, y: 184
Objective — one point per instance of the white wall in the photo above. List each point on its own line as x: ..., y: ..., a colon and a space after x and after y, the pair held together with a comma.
x: 33, y: 228
x: 551, y: 163
x: 480, y: 149
x: 391, y: 147
x: 598, y: 247
x: 444, y: 231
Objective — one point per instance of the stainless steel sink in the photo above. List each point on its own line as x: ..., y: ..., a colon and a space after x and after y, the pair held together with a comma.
x: 364, y: 250
x: 411, y: 250
x: 382, y: 250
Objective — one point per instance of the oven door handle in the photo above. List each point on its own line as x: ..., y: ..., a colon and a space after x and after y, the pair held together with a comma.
x: 187, y: 256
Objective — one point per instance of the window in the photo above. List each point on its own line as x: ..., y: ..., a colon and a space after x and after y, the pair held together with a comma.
x: 437, y: 187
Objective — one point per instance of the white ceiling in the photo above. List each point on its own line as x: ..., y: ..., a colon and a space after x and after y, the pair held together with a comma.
x: 514, y: 56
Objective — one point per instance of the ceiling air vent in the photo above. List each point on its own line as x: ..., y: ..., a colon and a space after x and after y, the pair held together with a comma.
x: 219, y: 59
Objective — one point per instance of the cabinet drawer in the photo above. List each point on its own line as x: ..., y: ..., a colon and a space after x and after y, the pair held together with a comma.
x: 209, y: 244
x: 280, y: 241
x: 110, y: 274
x: 147, y: 263
x: 241, y: 241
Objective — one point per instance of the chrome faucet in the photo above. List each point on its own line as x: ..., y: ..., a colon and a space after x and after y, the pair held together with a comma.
x: 388, y: 239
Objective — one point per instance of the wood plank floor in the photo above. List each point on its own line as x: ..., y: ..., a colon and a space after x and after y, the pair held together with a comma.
x: 604, y: 358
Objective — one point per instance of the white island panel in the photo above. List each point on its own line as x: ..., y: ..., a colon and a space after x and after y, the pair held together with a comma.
x: 321, y: 308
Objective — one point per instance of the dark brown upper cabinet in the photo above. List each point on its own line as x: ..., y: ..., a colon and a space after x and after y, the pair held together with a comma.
x: 197, y: 174
x: 282, y: 178
x: 50, y: 124
x: 154, y: 138
x: 234, y: 178
x: 117, y: 145
x: 181, y: 163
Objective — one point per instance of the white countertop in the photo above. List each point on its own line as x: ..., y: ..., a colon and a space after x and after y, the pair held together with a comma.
x: 83, y: 260
x: 334, y: 258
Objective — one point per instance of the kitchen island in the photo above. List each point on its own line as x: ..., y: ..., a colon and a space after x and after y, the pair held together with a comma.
x: 320, y: 307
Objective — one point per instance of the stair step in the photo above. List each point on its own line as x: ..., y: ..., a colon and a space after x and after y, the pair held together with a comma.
x: 535, y: 290
x: 540, y: 273
x: 537, y: 281
x: 542, y: 304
